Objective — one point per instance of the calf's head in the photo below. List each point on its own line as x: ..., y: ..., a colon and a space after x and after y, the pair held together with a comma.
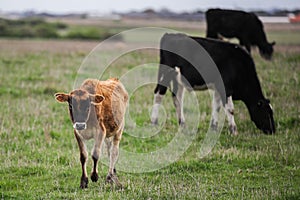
x: 80, y: 102
x: 262, y: 115
x: 266, y: 51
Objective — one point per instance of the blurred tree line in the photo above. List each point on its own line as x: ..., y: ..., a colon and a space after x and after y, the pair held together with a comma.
x: 34, y: 27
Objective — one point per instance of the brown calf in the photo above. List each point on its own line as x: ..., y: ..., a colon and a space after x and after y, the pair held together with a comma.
x: 97, y: 111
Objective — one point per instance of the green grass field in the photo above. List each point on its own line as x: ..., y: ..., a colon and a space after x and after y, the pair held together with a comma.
x: 40, y: 158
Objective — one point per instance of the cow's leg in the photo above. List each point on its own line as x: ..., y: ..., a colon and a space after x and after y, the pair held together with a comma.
x: 96, y: 153
x: 83, y: 159
x: 114, y: 153
x: 216, y: 106
x: 229, y: 110
x: 108, y: 145
x: 178, y: 102
x: 155, y: 110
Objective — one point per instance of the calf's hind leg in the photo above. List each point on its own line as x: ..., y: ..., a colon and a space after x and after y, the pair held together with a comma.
x: 114, y: 153
x: 108, y: 145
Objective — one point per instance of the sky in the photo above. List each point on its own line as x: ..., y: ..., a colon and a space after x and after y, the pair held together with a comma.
x: 65, y: 6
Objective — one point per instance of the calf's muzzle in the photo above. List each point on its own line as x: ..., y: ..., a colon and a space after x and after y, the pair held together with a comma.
x: 79, y: 126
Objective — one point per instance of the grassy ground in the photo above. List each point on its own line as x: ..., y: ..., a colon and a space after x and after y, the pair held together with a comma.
x: 40, y: 159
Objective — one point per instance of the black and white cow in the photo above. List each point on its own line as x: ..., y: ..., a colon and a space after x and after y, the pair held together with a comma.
x: 239, y: 24
x: 235, y: 71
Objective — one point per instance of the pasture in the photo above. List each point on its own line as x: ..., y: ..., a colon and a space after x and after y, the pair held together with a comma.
x: 39, y: 154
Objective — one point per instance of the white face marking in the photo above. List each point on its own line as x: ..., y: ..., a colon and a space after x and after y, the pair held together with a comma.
x: 79, y: 126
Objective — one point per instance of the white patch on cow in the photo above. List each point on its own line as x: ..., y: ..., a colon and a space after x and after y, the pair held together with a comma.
x: 229, y: 110
x: 216, y: 106
x: 178, y: 76
x: 271, y: 106
x: 155, y: 109
x: 161, y: 78
x: 178, y: 102
x: 180, y: 81
x: 177, y: 69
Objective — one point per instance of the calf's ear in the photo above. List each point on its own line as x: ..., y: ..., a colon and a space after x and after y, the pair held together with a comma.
x: 96, y: 99
x: 61, y: 97
x: 273, y: 43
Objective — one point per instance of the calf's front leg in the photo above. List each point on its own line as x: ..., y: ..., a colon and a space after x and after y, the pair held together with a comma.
x: 83, y: 158
x: 99, y: 138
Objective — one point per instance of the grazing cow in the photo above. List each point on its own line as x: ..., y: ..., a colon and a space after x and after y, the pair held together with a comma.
x: 97, y: 111
x: 237, y: 71
x: 239, y: 24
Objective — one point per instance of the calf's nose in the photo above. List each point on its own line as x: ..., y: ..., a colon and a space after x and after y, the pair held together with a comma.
x: 79, y: 126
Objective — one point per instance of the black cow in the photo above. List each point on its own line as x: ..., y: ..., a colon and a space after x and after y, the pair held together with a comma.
x: 234, y: 78
x: 239, y: 24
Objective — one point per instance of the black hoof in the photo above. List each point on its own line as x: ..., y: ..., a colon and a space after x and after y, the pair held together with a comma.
x: 113, y: 179
x: 154, y: 122
x: 182, y: 124
x: 233, y: 130
x: 94, y: 177
x: 84, y: 182
x: 109, y: 179
x: 214, y: 126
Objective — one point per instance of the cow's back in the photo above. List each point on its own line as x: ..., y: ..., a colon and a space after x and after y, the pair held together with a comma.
x: 230, y: 23
x: 234, y: 23
x: 222, y: 53
x: 234, y: 63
